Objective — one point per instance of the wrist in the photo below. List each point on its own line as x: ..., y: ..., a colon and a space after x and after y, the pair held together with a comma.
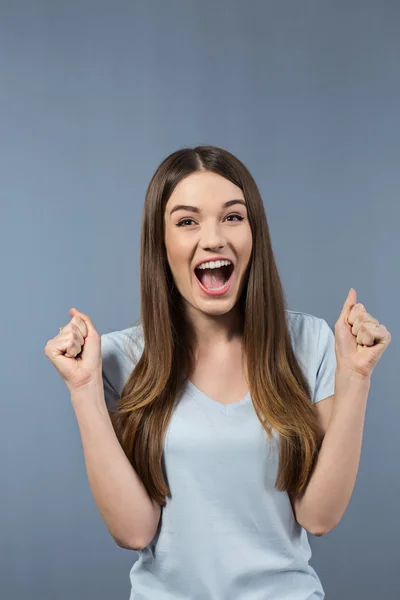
x: 347, y: 380
x: 89, y: 394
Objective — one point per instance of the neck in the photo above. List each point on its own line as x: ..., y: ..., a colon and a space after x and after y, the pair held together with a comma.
x: 216, y: 331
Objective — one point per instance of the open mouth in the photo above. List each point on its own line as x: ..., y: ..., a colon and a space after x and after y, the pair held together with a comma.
x: 214, y: 278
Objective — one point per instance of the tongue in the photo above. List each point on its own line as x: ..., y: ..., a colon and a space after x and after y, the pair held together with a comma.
x: 212, y: 278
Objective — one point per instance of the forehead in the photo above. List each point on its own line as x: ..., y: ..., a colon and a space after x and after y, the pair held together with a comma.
x: 205, y: 186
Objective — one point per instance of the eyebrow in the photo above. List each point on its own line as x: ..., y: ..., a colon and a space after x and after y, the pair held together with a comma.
x: 197, y: 210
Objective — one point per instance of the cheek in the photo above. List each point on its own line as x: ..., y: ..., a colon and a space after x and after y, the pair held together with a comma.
x: 245, y: 243
x: 178, y: 253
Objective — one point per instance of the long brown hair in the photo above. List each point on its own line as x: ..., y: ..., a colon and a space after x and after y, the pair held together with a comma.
x: 278, y: 387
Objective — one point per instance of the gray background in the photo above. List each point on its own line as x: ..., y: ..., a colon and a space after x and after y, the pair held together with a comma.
x: 93, y: 95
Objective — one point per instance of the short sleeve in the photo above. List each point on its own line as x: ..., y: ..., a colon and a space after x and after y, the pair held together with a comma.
x: 108, y: 368
x: 120, y: 351
x: 325, y: 376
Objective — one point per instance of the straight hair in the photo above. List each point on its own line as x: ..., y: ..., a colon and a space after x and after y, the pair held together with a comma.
x: 279, y: 389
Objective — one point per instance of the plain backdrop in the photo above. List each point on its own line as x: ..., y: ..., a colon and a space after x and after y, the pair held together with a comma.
x: 93, y: 95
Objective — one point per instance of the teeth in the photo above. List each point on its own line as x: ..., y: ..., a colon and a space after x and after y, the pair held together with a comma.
x: 214, y: 264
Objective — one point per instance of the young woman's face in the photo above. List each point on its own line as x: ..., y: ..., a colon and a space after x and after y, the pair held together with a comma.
x: 210, y: 231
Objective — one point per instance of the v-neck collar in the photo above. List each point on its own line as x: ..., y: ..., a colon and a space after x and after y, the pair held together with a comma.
x: 214, y: 404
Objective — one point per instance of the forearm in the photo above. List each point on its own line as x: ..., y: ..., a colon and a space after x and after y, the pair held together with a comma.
x: 332, y: 482
x: 119, y: 493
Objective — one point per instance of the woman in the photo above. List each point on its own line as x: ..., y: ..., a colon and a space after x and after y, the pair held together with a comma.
x: 203, y: 423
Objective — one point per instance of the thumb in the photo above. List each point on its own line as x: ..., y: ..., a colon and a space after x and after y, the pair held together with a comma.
x: 88, y: 321
x: 350, y: 301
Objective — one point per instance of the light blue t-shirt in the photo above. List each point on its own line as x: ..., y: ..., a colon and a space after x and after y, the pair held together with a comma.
x: 226, y: 533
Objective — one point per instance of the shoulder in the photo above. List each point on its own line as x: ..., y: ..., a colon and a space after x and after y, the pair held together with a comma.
x: 313, y: 342
x: 121, y: 350
x: 311, y: 337
x: 303, y: 325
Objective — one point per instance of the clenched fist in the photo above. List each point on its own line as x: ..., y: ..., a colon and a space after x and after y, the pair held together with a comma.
x: 76, y: 352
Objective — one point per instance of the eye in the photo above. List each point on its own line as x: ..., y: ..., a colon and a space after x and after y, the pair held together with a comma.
x: 180, y: 224
x: 238, y: 216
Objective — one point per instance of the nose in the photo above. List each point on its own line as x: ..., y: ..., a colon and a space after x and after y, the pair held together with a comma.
x: 212, y: 239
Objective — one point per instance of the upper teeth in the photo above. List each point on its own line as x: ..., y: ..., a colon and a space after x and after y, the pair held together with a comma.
x: 214, y: 264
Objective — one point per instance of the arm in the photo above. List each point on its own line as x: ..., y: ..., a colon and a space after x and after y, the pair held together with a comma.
x: 121, y: 498
x: 331, y: 485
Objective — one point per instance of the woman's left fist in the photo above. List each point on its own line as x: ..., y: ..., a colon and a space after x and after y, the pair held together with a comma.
x: 360, y: 340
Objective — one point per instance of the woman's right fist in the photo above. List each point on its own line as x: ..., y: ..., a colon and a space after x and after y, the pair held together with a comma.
x: 76, y: 352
